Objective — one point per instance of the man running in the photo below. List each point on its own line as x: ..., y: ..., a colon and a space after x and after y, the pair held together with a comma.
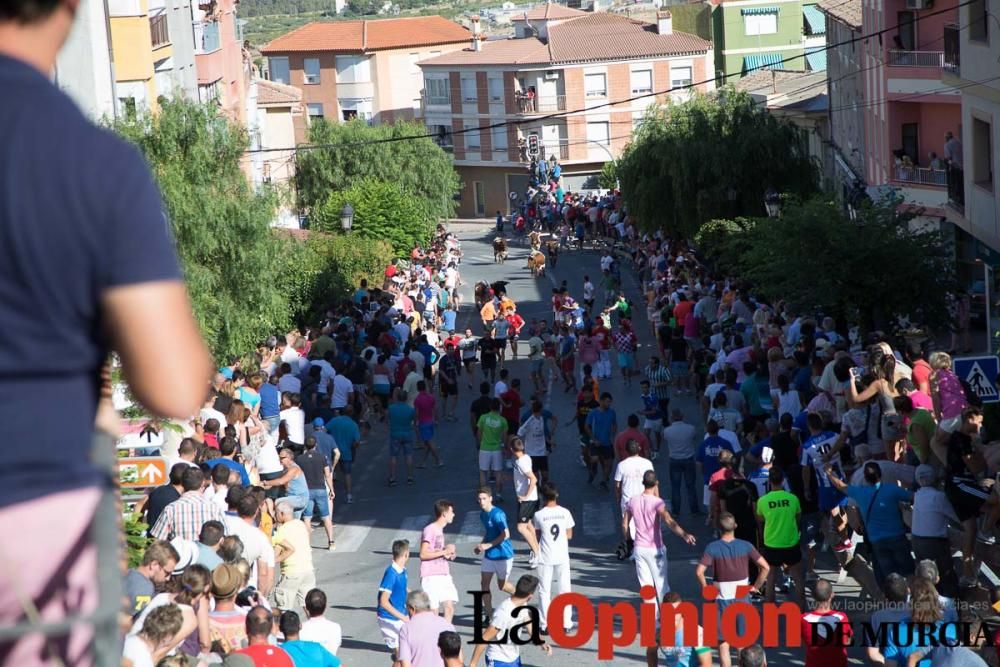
x: 435, y: 573
x: 496, y: 549
x: 491, y: 434
x: 602, y: 426
x: 526, y: 490
x: 555, y: 529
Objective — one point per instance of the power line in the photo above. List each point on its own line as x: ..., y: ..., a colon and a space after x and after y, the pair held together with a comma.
x: 634, y: 98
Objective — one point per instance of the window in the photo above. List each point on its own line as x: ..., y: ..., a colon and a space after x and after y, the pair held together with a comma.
x: 595, y: 85
x: 642, y: 81
x: 353, y: 69
x: 760, y: 24
x: 278, y: 68
x: 310, y: 67
x: 469, y: 89
x: 598, y: 133
x: 127, y: 105
x: 472, y: 141
x: 442, y: 135
x: 414, y: 67
x: 437, y: 91
x: 315, y: 111
x: 680, y: 77
x: 495, y: 85
x: 978, y: 21
x: 982, y: 153
x: 499, y: 136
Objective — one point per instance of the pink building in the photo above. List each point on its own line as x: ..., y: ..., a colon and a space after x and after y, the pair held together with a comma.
x: 219, y: 56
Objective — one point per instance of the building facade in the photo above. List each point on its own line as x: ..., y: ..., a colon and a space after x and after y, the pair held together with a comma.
x: 579, y: 83
x: 221, y: 61
x: 758, y: 34
x: 84, y: 69
x: 360, y: 69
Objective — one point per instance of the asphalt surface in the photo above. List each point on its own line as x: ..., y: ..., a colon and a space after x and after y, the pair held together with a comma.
x: 366, y: 529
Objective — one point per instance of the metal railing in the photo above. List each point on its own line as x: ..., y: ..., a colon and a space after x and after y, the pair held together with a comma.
x: 952, y: 49
x: 920, y: 175
x: 916, y: 58
x: 158, y: 30
x: 532, y: 105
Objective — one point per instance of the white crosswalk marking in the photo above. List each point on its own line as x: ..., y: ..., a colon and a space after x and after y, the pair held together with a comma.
x: 472, y: 528
x: 411, y: 529
x: 350, y: 538
x: 598, y: 519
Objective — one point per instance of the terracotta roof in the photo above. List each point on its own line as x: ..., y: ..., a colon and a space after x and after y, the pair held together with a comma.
x: 848, y: 12
x: 549, y: 11
x: 787, y: 89
x: 590, y: 38
x: 274, y: 93
x: 363, y: 36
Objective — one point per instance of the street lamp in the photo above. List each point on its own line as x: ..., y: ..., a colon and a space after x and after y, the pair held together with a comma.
x: 772, y: 202
x: 346, y: 217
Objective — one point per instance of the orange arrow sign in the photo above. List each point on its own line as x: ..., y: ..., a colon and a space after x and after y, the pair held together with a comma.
x: 142, y: 471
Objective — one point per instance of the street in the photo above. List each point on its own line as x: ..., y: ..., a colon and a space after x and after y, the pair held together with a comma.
x: 380, y: 514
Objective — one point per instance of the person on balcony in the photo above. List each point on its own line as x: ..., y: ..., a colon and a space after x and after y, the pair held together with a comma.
x: 953, y: 158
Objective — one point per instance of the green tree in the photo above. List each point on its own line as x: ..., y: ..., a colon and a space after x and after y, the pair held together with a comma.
x: 232, y: 258
x: 383, y: 210
x: 708, y: 158
x: 815, y: 258
x: 398, y: 153
x: 608, y: 178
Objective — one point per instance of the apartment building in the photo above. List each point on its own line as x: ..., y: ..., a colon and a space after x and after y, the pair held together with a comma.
x: 151, y: 50
x: 758, y: 34
x: 83, y: 66
x: 360, y: 69
x: 579, y: 81
x: 221, y: 61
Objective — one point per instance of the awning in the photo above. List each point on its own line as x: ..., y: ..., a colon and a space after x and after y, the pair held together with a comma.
x: 761, y: 61
x: 815, y: 19
x: 746, y: 11
x: 816, y: 59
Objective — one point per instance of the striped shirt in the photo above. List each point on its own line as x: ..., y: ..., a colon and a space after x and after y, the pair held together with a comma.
x: 659, y: 381
x: 185, y: 516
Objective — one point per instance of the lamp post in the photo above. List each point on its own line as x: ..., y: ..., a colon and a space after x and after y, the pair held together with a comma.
x: 772, y: 203
x: 347, y: 217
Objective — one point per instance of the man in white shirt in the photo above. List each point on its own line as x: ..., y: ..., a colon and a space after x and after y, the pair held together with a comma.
x: 555, y: 525
x: 526, y: 490
x: 343, y: 390
x: 504, y: 619
x: 317, y: 628
x: 628, y: 476
x: 326, y: 373
x: 208, y: 411
x: 532, y: 431
x: 588, y: 292
x: 294, y: 418
x: 257, y: 549
x: 217, y: 490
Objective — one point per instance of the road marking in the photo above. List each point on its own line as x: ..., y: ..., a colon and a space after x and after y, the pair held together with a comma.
x: 472, y: 528
x: 411, y: 529
x: 350, y: 538
x: 598, y: 519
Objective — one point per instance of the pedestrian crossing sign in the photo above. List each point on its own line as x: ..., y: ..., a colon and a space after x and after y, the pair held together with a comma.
x: 980, y: 374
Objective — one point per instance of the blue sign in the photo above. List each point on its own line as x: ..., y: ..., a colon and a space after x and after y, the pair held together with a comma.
x: 981, y: 375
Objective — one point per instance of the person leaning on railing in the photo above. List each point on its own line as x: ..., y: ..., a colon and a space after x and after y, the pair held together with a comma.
x: 87, y: 265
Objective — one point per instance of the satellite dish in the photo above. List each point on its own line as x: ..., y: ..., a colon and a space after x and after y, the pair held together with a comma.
x: 513, y: 196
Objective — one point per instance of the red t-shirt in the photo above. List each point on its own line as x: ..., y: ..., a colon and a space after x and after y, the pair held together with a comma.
x: 390, y: 271
x: 822, y: 651
x: 264, y: 655
x: 423, y: 404
x: 512, y: 413
x: 921, y: 374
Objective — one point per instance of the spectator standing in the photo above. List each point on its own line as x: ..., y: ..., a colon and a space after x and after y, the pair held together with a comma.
x: 929, y: 520
x: 260, y: 650
x: 826, y: 632
x: 318, y: 628
x: 680, y: 440
x: 418, y: 638
x: 185, y: 516
x: 303, y: 652
x: 293, y: 552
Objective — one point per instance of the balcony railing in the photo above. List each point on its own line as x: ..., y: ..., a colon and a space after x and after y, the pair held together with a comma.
x: 916, y: 58
x: 920, y: 175
x: 158, y: 31
x: 952, y: 49
x: 531, y: 105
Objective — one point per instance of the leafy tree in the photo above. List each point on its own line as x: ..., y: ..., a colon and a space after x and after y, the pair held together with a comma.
x: 711, y: 157
x: 608, y: 178
x: 232, y: 259
x: 382, y: 211
x: 398, y: 153
x: 815, y: 258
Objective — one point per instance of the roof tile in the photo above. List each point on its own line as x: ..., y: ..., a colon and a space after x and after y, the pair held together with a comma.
x: 364, y: 36
x: 272, y: 92
x: 848, y: 12
x: 550, y: 11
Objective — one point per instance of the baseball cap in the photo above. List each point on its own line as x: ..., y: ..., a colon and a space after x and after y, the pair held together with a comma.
x: 226, y: 373
x: 226, y: 580
x: 187, y: 552
x: 319, y: 422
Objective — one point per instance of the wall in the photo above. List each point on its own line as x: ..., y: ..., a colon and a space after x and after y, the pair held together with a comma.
x: 846, y: 91
x: 277, y: 131
x: 234, y: 86
x: 398, y: 85
x: 185, y: 74
x: 83, y: 66
x: 982, y: 204
x: 730, y: 36
x: 132, y: 48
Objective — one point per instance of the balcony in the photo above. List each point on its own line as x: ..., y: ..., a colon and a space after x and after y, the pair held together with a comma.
x: 206, y: 37
x: 527, y: 106
x: 158, y: 31
x: 956, y: 189
x: 952, y: 49
x: 920, y: 175
x: 928, y: 59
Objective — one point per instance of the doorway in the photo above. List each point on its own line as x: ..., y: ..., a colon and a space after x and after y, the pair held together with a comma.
x: 479, y: 195
x: 911, y: 145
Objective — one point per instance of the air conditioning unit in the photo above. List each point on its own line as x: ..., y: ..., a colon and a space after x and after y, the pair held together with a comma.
x: 551, y: 75
x: 919, y: 4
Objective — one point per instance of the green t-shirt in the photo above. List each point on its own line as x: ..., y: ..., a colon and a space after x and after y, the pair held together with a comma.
x: 779, y: 508
x: 925, y: 419
x: 491, y: 427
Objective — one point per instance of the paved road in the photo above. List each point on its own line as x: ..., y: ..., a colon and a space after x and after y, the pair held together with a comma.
x: 380, y: 514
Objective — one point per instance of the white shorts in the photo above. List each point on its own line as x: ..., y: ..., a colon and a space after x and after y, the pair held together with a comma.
x: 390, y: 627
x: 653, y: 425
x: 651, y: 569
x: 502, y: 567
x: 491, y: 461
x: 439, y: 588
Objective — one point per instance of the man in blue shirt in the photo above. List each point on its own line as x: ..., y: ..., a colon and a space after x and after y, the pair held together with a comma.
x: 879, y: 507
x: 708, y: 456
x: 227, y: 447
x: 270, y: 402
x: 391, y: 602
x: 303, y: 652
x: 496, y: 549
x: 602, y: 427
x: 347, y: 435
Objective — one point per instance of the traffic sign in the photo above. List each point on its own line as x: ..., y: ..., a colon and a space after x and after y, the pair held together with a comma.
x: 142, y: 471
x: 980, y: 373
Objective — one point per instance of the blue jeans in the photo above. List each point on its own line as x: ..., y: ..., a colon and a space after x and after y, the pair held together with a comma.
x: 892, y: 555
x: 682, y: 468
